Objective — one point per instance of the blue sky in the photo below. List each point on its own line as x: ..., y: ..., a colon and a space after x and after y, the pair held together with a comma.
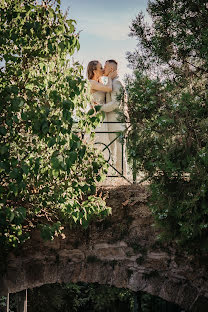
x: 104, y: 27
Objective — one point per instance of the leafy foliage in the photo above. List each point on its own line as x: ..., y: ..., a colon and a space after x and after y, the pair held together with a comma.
x: 48, y: 172
x: 169, y: 116
x: 90, y: 298
x: 76, y: 298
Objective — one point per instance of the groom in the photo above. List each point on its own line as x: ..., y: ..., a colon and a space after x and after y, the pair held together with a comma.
x: 110, y: 107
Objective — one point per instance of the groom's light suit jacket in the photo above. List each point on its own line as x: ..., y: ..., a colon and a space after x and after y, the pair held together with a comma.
x: 112, y: 104
x: 110, y: 108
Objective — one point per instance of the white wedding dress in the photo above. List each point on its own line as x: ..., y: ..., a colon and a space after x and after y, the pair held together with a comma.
x: 101, y: 140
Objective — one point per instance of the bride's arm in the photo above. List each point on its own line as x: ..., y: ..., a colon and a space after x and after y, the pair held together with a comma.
x: 98, y: 86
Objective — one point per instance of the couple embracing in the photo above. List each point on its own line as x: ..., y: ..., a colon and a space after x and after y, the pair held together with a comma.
x: 105, y: 87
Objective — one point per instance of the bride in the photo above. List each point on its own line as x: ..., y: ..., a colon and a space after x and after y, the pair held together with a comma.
x: 98, y: 91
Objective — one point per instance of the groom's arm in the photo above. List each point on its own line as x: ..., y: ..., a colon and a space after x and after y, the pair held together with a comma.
x: 114, y: 103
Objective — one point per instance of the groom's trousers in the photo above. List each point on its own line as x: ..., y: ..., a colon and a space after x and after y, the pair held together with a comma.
x: 117, y: 147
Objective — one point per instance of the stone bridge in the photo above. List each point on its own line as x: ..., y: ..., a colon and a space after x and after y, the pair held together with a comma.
x: 121, y: 250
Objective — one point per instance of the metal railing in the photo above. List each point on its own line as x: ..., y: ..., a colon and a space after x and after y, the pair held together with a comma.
x: 121, y: 136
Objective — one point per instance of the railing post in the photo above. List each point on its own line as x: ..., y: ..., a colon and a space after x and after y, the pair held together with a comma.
x: 25, y: 301
x: 122, y: 155
x: 8, y: 302
x: 134, y: 171
x: 134, y: 160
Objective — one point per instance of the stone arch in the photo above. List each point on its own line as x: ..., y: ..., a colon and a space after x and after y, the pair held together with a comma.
x: 121, y: 250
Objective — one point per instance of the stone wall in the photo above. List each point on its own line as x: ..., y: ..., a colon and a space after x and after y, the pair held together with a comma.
x: 121, y: 250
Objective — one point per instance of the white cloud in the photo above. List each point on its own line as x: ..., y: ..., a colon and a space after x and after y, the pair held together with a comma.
x: 112, y: 26
x: 106, y: 29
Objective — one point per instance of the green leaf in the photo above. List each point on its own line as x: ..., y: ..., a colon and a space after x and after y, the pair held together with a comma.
x: 3, y: 130
x: 51, y: 142
x: 91, y: 112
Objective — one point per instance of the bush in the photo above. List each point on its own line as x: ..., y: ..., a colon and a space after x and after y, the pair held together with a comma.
x: 48, y: 172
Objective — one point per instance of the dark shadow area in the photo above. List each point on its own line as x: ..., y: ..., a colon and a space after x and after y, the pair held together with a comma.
x: 82, y: 297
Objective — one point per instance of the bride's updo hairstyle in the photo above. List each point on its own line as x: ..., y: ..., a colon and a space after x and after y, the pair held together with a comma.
x: 90, y: 69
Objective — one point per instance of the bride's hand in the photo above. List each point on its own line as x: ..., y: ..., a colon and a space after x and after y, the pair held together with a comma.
x: 113, y: 74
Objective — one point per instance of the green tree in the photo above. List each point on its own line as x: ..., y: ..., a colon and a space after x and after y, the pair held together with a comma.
x: 80, y: 297
x: 89, y: 298
x: 169, y: 116
x: 48, y: 172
